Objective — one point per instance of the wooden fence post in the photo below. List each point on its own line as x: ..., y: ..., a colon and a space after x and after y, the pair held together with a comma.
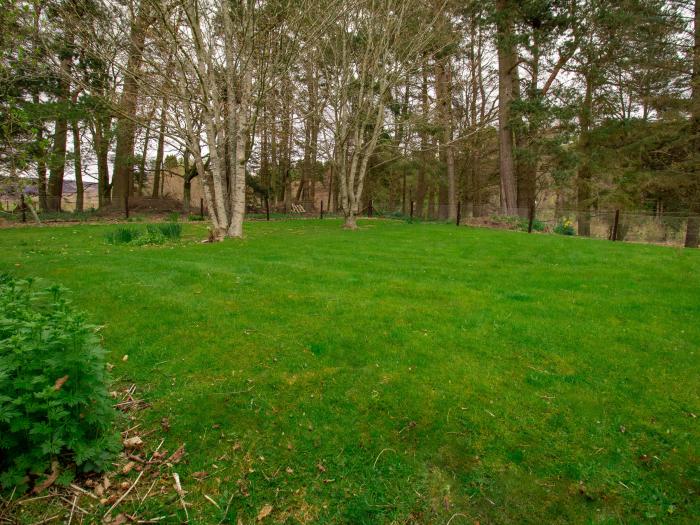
x: 459, y: 212
x: 24, y: 208
x: 531, y: 219
x: 411, y: 211
x: 267, y: 205
x: 321, y: 214
x: 126, y: 205
x: 616, y: 224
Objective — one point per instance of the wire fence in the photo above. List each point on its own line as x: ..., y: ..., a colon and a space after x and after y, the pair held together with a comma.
x: 620, y: 225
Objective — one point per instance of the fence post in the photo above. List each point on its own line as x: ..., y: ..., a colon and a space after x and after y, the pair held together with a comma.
x: 24, y: 208
x: 201, y: 207
x: 411, y: 211
x: 267, y: 205
x: 531, y: 219
x: 126, y: 205
x: 459, y: 212
x: 321, y: 214
x: 615, y: 225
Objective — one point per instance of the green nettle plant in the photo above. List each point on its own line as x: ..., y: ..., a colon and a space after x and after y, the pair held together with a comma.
x: 54, y: 404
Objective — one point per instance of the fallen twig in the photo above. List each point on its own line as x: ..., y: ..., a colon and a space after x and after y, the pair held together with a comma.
x: 80, y: 489
x: 121, y: 498
x: 382, y: 452
x: 181, y: 493
x: 454, y: 516
x: 210, y: 500
x: 73, y: 504
x: 23, y: 501
x: 72, y: 510
x: 47, y: 520
x: 152, y: 520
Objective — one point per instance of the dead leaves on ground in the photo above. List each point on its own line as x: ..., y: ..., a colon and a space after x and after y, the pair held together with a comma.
x: 132, y: 443
x: 264, y: 512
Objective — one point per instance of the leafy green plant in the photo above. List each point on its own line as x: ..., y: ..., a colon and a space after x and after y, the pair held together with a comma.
x: 537, y: 225
x: 173, y: 217
x: 152, y: 235
x: 565, y: 227
x: 516, y: 222
x: 54, y: 404
x: 193, y: 218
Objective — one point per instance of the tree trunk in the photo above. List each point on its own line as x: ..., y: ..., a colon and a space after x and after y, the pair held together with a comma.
x: 101, y: 128
x: 448, y: 189
x: 78, y: 164
x: 158, y: 168
x: 527, y: 184
x: 583, y: 178
x: 692, y: 233
x: 507, y: 65
x: 350, y: 221
x: 476, y: 80
x: 286, y: 142
x: 144, y: 156
x: 528, y: 161
x: 443, y: 199
x: 41, y: 151
x: 431, y: 192
x: 693, y: 229
x: 126, y: 128
x: 57, y: 161
x: 422, y: 183
x: 41, y: 169
x: 186, y: 184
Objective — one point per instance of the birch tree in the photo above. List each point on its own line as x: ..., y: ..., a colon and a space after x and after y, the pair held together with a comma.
x: 366, y: 55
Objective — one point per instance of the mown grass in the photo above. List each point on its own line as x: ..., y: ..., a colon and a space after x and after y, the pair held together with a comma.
x: 433, y: 372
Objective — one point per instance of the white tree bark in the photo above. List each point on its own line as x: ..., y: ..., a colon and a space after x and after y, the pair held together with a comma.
x: 370, y: 48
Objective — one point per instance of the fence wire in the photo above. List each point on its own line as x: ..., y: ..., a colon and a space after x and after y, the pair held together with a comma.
x: 633, y: 226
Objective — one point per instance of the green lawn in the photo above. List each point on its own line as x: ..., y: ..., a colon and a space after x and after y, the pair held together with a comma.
x: 433, y: 372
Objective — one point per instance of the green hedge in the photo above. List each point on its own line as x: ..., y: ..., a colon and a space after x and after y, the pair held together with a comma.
x: 54, y: 403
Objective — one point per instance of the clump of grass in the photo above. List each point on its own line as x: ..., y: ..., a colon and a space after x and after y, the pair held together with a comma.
x: 123, y: 235
x: 154, y: 234
x: 170, y: 230
x: 192, y: 218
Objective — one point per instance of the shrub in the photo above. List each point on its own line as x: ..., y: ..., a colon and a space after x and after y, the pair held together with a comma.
x: 192, y: 217
x: 53, y: 386
x: 537, y: 225
x: 173, y: 217
x: 565, y: 227
x: 516, y: 222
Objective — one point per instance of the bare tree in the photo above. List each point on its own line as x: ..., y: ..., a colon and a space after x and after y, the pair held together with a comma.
x: 367, y: 52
